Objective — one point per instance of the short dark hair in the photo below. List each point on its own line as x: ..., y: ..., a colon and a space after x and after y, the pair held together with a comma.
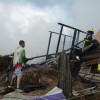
x: 21, y: 42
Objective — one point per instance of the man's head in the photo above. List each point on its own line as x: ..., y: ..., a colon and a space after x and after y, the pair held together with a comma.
x: 22, y: 43
x: 91, y: 31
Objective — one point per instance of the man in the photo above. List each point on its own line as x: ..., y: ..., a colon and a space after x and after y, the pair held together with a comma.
x: 19, y: 61
x: 8, y: 70
x: 88, y: 38
x: 97, y: 45
x: 87, y: 42
x: 94, y: 45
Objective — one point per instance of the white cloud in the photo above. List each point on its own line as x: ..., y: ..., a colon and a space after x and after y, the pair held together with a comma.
x: 23, y: 18
x: 31, y: 24
x: 86, y: 14
x: 31, y: 20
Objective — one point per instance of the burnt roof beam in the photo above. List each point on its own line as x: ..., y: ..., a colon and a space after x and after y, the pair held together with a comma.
x: 72, y: 28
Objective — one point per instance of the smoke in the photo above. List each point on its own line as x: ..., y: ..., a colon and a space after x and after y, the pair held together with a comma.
x: 86, y: 14
x: 31, y: 20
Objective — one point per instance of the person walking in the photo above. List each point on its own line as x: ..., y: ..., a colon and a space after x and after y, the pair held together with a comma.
x: 19, y: 60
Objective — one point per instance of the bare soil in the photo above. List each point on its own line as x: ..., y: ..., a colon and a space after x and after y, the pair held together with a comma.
x: 31, y: 77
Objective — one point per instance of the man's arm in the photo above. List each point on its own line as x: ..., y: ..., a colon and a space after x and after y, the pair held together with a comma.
x: 23, y: 59
x: 30, y: 58
x: 27, y: 59
x: 8, y: 55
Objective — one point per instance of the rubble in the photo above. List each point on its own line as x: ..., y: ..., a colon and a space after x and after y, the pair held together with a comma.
x: 42, y: 79
x: 14, y: 96
x: 4, y: 90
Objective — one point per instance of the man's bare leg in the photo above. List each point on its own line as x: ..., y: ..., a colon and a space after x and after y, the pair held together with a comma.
x: 12, y: 81
x: 18, y: 82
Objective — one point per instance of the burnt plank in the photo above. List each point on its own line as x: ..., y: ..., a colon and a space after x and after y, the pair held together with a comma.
x: 92, y: 56
x: 90, y: 62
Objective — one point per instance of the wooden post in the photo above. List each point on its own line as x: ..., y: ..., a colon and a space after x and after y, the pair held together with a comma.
x: 60, y: 65
x: 49, y: 43
x: 59, y: 39
x: 67, y: 89
x: 65, y: 75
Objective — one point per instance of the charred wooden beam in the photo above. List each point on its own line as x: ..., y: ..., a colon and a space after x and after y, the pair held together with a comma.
x: 65, y: 75
x: 89, y: 57
x: 72, y: 28
x: 90, y: 62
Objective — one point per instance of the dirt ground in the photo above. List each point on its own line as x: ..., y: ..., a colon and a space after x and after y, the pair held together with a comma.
x: 31, y: 77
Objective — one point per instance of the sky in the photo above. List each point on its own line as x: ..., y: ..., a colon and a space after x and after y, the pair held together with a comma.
x: 31, y: 21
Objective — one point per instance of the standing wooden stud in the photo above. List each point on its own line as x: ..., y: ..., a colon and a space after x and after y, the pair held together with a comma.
x: 65, y: 75
x: 61, y: 69
x: 67, y: 89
